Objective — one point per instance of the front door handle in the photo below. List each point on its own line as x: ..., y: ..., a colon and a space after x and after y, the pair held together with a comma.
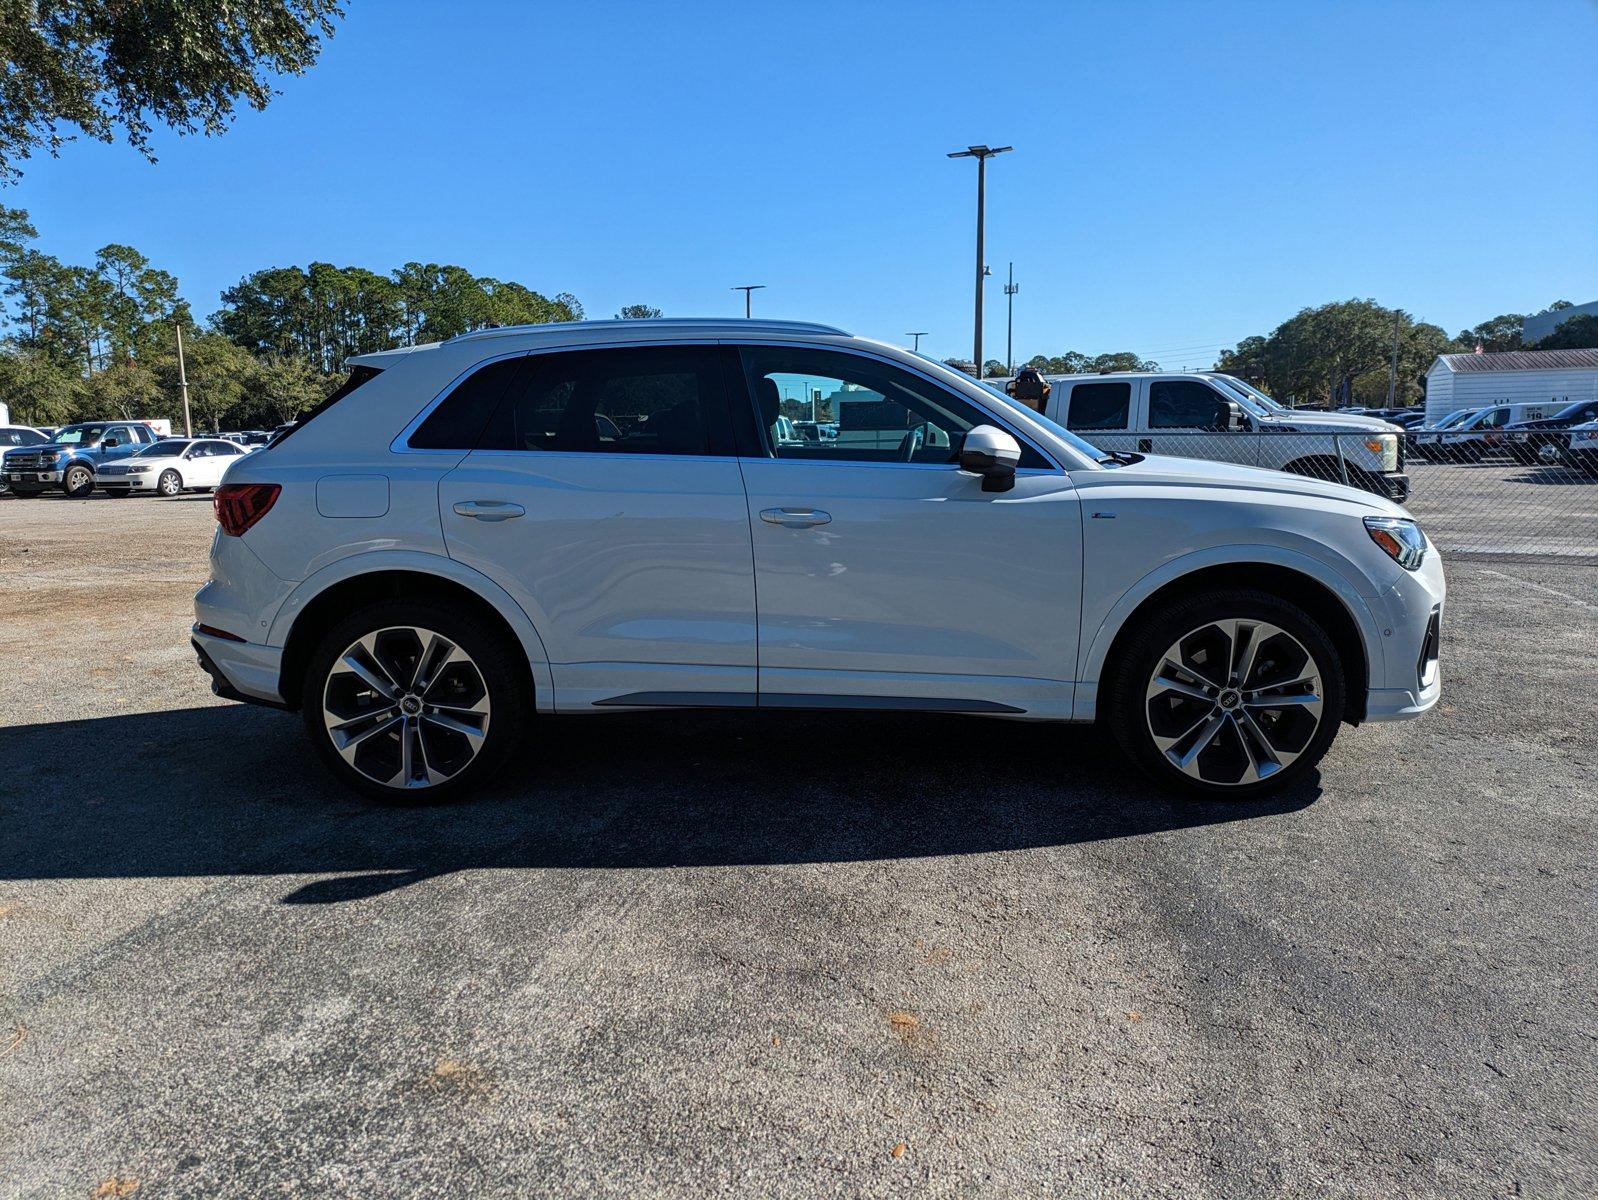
x: 794, y: 518
x: 488, y: 510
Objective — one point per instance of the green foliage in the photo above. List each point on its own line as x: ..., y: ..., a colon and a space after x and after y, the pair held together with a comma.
x: 326, y: 313
x: 80, y: 342
x: 638, y: 312
x: 1073, y: 362
x: 1577, y: 333
x: 994, y: 369
x: 104, y: 64
x: 1339, y: 353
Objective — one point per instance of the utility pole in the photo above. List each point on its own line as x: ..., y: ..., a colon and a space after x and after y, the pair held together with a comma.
x: 918, y: 337
x: 1010, y: 289
x: 748, y: 289
x: 1392, y: 372
x: 981, y: 154
x: 183, y: 385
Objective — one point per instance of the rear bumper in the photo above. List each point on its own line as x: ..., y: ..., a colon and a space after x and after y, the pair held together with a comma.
x: 241, y: 670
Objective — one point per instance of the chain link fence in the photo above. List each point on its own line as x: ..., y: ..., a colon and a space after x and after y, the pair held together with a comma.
x: 1474, y: 493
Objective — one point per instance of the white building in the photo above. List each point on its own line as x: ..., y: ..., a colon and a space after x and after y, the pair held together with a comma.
x: 1558, y: 377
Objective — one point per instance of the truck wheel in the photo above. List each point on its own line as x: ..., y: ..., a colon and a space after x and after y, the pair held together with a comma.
x: 415, y: 700
x: 1229, y: 693
x: 170, y: 483
x: 78, y: 481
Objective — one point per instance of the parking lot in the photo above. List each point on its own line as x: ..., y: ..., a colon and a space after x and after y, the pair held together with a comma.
x: 802, y: 955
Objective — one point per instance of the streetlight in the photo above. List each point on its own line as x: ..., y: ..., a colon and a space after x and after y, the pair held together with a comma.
x: 981, y: 154
x: 918, y: 337
x: 1010, y: 289
x: 748, y: 289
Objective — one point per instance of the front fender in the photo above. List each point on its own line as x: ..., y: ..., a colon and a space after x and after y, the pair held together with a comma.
x: 1097, y: 643
x: 422, y: 563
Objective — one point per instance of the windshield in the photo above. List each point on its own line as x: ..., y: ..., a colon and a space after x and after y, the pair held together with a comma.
x: 80, y: 435
x: 1571, y: 410
x: 1455, y: 417
x: 1251, y: 397
x: 162, y: 449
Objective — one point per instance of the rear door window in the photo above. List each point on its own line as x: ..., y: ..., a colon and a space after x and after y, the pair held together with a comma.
x: 1099, y: 406
x: 633, y: 400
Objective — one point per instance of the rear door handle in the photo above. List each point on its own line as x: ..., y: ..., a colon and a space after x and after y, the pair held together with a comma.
x: 794, y: 518
x: 488, y: 510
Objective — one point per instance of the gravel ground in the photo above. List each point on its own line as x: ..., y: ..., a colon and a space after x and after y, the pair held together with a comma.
x: 806, y: 955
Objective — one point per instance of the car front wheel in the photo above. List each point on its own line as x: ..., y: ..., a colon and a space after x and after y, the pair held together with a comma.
x: 1229, y: 693
x: 170, y: 483
x: 414, y: 700
x: 78, y: 482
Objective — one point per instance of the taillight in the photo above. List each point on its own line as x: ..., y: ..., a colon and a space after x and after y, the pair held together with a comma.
x: 241, y: 505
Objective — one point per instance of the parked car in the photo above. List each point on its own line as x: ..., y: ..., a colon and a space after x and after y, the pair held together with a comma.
x: 72, y: 458
x: 14, y: 436
x: 1476, y: 436
x: 171, y: 467
x: 1217, y: 417
x: 1582, y: 450
x: 453, y: 546
x: 1544, y: 439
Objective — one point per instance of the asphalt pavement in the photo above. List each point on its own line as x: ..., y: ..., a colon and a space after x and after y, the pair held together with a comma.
x: 779, y: 955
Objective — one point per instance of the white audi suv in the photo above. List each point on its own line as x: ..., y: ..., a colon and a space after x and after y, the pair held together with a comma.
x: 605, y: 517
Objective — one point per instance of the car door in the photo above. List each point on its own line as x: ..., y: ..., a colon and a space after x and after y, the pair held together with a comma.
x: 1187, y: 418
x: 604, y: 495
x: 885, y: 575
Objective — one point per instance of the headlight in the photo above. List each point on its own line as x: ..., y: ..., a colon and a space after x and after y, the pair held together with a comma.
x: 1400, y: 537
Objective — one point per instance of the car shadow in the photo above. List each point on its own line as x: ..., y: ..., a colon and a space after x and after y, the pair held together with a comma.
x: 232, y: 790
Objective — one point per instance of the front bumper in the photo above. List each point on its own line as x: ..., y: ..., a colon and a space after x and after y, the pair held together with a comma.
x: 27, y: 477
x: 1394, y: 485
x: 1409, y: 679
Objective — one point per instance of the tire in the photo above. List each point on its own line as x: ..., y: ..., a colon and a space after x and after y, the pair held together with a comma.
x: 1229, y: 739
x: 489, y: 690
x: 117, y: 492
x: 78, y: 482
x: 170, y: 484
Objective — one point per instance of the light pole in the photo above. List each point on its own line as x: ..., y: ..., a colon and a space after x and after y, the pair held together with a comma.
x: 918, y: 337
x: 183, y: 385
x: 748, y: 289
x: 1010, y: 289
x: 981, y: 154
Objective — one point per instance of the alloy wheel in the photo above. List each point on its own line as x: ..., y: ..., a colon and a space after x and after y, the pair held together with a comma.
x: 1234, y: 702
x: 170, y: 484
x: 406, y: 707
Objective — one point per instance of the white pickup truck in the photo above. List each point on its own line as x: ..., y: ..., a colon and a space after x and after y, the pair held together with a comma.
x: 1213, y: 416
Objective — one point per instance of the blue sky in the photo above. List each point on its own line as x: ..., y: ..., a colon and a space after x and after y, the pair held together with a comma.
x: 1184, y: 174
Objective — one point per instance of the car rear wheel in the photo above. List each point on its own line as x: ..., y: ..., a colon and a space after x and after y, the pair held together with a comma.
x: 78, y: 482
x: 414, y: 700
x: 170, y: 483
x: 1229, y: 693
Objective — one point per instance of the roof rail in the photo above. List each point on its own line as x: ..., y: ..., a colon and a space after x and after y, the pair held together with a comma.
x: 761, y: 324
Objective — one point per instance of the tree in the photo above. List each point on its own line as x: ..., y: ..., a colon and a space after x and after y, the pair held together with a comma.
x: 283, y: 387
x: 994, y: 369
x: 37, y: 390
x: 638, y: 312
x: 1500, y: 333
x: 1338, y: 352
x: 1577, y: 333
x: 104, y: 64
x: 220, y: 374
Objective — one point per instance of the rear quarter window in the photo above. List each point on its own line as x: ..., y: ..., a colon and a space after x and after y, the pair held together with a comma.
x: 458, y: 421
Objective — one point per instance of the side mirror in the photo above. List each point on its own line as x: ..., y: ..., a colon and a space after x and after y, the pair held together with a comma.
x: 1229, y: 416
x: 992, y: 454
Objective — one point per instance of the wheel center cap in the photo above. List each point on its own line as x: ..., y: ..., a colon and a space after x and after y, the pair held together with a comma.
x: 1231, y: 698
x: 410, y: 705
